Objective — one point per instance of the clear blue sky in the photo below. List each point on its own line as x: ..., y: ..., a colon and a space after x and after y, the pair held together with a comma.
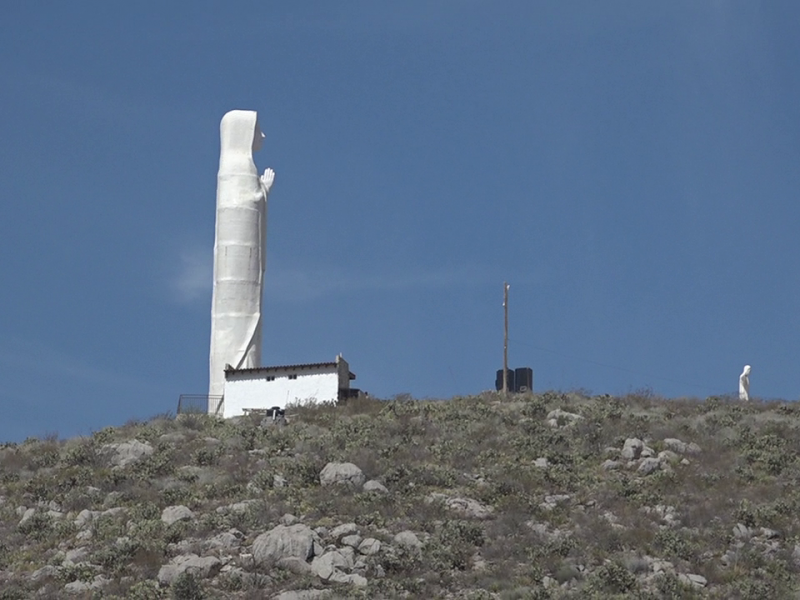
x: 631, y: 168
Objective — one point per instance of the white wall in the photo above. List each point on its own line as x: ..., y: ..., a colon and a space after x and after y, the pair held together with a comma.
x: 252, y: 390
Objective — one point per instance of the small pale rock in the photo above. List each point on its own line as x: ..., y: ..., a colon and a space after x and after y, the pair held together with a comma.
x: 201, y: 567
x: 632, y: 448
x: 691, y: 578
x: 342, y: 530
x: 375, y: 486
x: 304, y: 595
x: 351, y: 540
x: 172, y: 514
x: 125, y: 453
x: 741, y: 532
x: 46, y: 572
x: 541, y: 463
x: 294, y: 564
x: 326, y: 565
x: 27, y: 515
x: 610, y: 465
x: 408, y: 539
x: 288, y: 519
x: 369, y: 546
x: 649, y: 465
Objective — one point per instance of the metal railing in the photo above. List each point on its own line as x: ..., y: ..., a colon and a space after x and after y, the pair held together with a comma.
x: 199, y: 404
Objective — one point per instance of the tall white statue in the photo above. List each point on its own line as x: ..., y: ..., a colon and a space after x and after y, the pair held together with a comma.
x: 744, y: 384
x: 239, y: 250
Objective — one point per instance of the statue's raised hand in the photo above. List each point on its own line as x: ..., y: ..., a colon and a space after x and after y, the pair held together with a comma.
x: 267, y: 179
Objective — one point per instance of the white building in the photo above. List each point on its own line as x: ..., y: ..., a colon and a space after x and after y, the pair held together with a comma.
x: 275, y: 387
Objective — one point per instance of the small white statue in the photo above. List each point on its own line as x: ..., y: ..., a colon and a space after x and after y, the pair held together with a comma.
x: 744, y: 384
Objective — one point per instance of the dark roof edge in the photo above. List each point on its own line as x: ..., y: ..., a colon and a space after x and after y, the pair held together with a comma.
x: 229, y: 369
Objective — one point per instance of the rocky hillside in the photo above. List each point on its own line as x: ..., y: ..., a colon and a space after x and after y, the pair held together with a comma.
x: 539, y: 496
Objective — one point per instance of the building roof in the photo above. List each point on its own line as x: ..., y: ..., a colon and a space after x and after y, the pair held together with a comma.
x: 323, y: 365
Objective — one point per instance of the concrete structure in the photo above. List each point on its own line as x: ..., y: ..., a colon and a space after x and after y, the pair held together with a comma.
x: 269, y: 387
x: 239, y: 250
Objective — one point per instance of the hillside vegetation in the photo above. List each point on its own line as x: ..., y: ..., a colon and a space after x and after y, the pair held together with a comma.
x: 554, y: 495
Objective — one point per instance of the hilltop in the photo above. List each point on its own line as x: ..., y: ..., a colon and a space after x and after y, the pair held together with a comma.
x: 553, y: 495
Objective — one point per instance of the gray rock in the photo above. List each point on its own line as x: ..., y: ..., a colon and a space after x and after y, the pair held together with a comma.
x: 375, y: 487
x: 296, y: 565
x: 342, y: 474
x: 46, y: 572
x: 304, y: 595
x: 76, y: 555
x: 680, y: 447
x: 742, y: 532
x: 125, y: 453
x: 541, y: 463
x: 369, y: 546
x: 464, y: 506
x: 27, y: 515
x: 554, y: 500
x: 237, y: 507
x: 408, y: 539
x: 558, y: 417
x: 288, y: 519
x: 668, y: 456
x: 351, y: 578
x: 284, y: 542
x: 649, y: 465
x: 342, y: 530
x: 695, y: 580
x: 226, y: 542
x: 200, y: 567
x: 768, y: 533
x: 328, y: 564
x: 174, y: 437
x: 632, y: 449
x: 172, y: 514
x: 352, y: 541
x: 77, y: 587
x: 610, y: 465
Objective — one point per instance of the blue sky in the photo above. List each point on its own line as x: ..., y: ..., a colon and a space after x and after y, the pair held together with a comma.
x: 631, y: 168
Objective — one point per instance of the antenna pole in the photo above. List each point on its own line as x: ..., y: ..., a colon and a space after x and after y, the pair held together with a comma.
x: 505, y: 339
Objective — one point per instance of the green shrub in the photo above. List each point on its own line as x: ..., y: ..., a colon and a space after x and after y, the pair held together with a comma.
x: 613, y: 577
x: 187, y: 587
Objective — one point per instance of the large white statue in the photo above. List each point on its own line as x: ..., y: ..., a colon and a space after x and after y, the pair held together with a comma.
x: 239, y: 250
x: 744, y: 384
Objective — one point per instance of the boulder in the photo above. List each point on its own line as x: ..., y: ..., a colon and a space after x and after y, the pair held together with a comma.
x: 201, y: 567
x: 632, y: 449
x: 283, y: 542
x: 680, y: 447
x: 328, y: 564
x: 649, y: 465
x: 342, y: 474
x: 343, y: 530
x: 172, y: 514
x: 375, y: 487
x: 369, y: 546
x: 408, y: 539
x: 125, y: 453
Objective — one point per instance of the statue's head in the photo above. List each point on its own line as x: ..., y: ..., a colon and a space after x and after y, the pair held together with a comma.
x: 746, y: 370
x: 240, y: 132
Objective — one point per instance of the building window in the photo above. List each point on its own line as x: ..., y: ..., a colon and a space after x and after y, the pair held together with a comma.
x: 293, y: 376
x: 270, y: 377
